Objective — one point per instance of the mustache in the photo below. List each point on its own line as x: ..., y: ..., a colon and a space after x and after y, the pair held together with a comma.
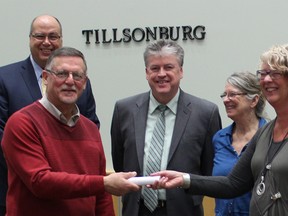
x: 68, y: 88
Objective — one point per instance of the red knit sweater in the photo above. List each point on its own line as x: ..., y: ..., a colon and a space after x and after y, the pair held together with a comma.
x: 54, y: 169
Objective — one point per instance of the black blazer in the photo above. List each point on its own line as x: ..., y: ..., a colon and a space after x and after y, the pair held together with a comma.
x: 191, y: 149
x: 19, y: 88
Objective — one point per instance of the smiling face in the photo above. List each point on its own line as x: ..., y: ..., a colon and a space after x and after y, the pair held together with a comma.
x: 237, y: 106
x: 275, y: 90
x: 41, y: 49
x: 63, y: 93
x: 163, y: 73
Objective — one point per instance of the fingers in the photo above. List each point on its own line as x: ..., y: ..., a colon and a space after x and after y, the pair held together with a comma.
x: 130, y: 174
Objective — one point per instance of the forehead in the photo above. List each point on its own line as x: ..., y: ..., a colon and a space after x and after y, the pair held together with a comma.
x: 160, y: 59
x: 69, y: 63
x: 230, y: 87
x: 46, y: 24
x: 265, y: 66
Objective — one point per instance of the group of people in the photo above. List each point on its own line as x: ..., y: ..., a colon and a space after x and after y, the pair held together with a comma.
x: 261, y: 170
x: 53, y: 154
x: 52, y: 157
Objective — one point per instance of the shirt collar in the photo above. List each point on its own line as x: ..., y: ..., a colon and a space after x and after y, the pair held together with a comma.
x: 38, y: 70
x: 172, y: 104
x: 57, y: 113
x: 229, y: 130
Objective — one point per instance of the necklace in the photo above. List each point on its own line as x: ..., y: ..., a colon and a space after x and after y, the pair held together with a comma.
x: 260, y: 189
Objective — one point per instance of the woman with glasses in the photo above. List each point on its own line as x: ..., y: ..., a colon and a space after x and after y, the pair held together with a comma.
x: 263, y: 167
x: 244, y: 104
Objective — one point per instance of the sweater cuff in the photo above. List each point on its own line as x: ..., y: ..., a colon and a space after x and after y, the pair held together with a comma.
x: 186, y: 181
x: 97, y: 184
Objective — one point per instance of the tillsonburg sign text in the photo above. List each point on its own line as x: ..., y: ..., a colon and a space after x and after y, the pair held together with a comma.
x: 127, y: 35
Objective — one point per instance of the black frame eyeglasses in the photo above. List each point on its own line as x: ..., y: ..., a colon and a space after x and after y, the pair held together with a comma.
x: 63, y: 75
x: 41, y: 37
x: 231, y: 95
x: 274, y: 74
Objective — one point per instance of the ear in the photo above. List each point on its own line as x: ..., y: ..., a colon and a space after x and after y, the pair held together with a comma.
x: 44, y: 76
x: 84, y: 85
x: 254, y: 101
x: 181, y: 72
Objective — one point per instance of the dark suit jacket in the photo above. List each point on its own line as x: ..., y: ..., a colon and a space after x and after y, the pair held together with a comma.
x: 19, y: 88
x: 191, y: 149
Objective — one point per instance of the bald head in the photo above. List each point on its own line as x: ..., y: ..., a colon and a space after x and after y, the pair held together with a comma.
x: 45, y: 18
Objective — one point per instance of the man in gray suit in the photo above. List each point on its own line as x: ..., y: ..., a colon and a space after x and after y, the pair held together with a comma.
x: 190, y: 124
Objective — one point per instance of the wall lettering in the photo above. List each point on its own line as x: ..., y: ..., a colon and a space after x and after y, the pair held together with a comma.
x: 127, y: 35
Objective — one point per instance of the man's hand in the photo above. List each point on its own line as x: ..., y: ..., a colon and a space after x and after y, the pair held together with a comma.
x: 117, y: 183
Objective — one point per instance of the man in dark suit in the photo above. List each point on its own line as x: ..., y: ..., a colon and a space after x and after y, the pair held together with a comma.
x: 190, y: 124
x: 20, y: 83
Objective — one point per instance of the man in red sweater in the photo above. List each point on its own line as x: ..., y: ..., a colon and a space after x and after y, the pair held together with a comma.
x: 55, y: 158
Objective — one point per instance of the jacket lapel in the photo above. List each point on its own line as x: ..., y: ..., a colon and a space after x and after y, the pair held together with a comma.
x: 140, y: 118
x: 30, y: 79
x: 182, y: 117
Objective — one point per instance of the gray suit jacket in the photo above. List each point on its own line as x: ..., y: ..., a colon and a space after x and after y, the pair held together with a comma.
x: 191, y: 149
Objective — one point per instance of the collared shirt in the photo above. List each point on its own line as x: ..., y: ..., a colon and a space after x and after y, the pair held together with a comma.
x: 38, y: 71
x: 170, y: 116
x: 55, y: 112
x: 225, y: 159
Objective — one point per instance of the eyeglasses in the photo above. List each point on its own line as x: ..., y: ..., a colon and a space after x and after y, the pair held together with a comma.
x: 231, y: 95
x: 63, y: 75
x: 41, y: 37
x: 261, y: 74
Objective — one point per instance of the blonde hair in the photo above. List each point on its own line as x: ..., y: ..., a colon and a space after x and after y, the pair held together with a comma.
x: 276, y: 58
